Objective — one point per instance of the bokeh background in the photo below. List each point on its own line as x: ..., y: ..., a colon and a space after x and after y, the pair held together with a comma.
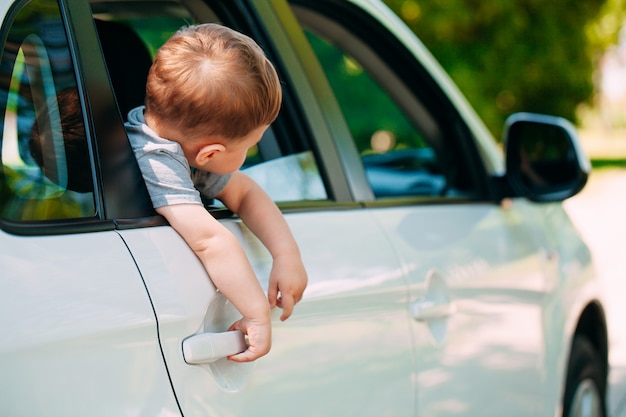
x: 559, y: 57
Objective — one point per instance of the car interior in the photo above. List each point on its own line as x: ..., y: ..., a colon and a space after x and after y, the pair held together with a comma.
x: 128, y: 66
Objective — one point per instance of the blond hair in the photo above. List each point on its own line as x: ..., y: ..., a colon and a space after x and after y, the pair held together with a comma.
x: 209, y: 80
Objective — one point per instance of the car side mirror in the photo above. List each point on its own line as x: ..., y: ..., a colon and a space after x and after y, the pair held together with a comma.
x: 544, y: 159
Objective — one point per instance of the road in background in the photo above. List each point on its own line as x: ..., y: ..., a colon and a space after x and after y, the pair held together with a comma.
x: 599, y: 213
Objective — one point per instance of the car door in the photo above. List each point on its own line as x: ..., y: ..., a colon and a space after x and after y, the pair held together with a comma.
x: 79, y: 336
x: 347, y: 348
x: 482, y: 273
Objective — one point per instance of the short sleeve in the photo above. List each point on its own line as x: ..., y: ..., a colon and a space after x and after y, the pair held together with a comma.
x: 168, y: 179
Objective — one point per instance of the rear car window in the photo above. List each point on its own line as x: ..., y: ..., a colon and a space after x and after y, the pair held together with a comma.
x: 45, y: 168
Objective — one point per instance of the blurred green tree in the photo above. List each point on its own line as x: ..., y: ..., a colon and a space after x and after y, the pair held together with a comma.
x: 603, y: 31
x: 516, y: 55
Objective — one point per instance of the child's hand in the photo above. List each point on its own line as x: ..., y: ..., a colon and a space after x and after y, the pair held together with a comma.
x: 289, y: 278
x: 259, y: 339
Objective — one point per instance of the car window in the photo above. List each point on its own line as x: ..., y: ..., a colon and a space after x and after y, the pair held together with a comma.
x: 290, y: 178
x: 133, y: 31
x: 398, y: 160
x: 45, y: 170
x: 407, y: 142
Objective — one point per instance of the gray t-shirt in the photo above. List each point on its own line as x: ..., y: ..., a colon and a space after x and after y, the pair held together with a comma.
x: 165, y: 169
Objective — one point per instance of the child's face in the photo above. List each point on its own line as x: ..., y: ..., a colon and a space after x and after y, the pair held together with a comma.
x: 234, y: 154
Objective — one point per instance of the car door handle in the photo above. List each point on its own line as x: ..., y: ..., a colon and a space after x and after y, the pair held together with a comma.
x: 209, y: 347
x: 427, y: 310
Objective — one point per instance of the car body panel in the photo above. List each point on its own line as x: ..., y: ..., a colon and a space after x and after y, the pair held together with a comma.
x: 5, y: 5
x: 495, y: 266
x: 510, y: 277
x: 76, y: 323
x: 355, y: 304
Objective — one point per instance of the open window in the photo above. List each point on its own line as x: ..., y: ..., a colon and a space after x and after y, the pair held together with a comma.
x: 130, y: 34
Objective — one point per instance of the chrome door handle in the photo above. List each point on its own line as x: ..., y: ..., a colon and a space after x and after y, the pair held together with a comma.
x: 427, y: 310
x: 209, y: 347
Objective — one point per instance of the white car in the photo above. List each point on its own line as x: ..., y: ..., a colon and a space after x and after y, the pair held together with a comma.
x: 445, y: 278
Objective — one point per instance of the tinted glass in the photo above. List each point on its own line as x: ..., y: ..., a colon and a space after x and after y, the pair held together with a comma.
x: 397, y: 159
x: 45, y: 164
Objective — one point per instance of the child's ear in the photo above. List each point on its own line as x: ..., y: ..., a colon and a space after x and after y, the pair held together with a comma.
x: 208, y: 152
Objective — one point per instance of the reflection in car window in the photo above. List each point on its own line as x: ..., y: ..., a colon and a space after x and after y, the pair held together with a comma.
x: 397, y: 159
x: 45, y: 171
x: 283, y: 175
x: 291, y: 178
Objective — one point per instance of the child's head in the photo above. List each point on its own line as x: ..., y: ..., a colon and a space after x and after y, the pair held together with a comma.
x: 211, y: 81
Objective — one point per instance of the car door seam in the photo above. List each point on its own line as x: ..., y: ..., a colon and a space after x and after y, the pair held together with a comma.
x: 158, y: 331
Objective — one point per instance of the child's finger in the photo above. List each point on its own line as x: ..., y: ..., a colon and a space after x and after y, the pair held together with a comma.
x: 287, y: 303
x: 247, y: 355
x: 259, y: 341
x: 272, y: 295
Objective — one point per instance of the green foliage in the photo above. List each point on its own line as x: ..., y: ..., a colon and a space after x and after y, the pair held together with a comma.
x: 604, y: 30
x: 608, y: 163
x: 511, y: 55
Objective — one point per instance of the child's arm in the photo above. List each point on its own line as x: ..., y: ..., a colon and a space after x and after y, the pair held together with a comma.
x: 229, y: 269
x: 257, y: 210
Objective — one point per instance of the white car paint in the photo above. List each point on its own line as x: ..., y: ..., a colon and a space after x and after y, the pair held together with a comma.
x: 501, y: 274
x: 356, y: 300
x: 73, y: 322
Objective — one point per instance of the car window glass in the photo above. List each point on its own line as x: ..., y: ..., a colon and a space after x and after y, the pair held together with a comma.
x: 290, y: 178
x: 397, y: 159
x: 404, y: 144
x: 131, y: 25
x: 45, y: 165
